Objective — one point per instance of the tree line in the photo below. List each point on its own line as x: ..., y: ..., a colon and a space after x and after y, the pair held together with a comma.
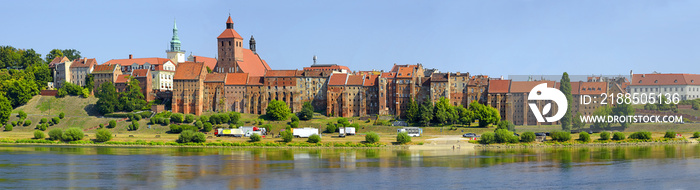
x: 442, y: 113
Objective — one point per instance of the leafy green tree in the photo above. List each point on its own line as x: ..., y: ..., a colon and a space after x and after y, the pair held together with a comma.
x: 426, y: 113
x: 55, y: 120
x: 255, y: 137
x: 604, y: 135
x: 314, y: 138
x: 133, y: 126
x: 643, y: 135
x: 234, y: 117
x: 487, y: 138
x: 618, y: 136
x: 71, y: 54
x: 72, y: 134
x: 207, y: 127
x: 584, y: 136
x: 560, y: 136
x: 485, y: 114
x: 603, y: 111
x: 42, y: 74
x: 670, y: 134
x: 103, y: 135
x: 38, y: 134
x: 412, y: 112
x: 442, y: 114
x: 277, y: 110
x: 577, y: 123
x: 177, y: 117
x: 19, y: 92
x: 343, y: 121
x: 8, y: 127
x: 133, y: 98
x: 295, y: 118
x: 189, y: 118
x: 287, y: 135
x: 528, y: 137
x: 89, y: 82
x: 53, y: 54
x: 5, y: 109
x: 566, y: 89
x: 371, y: 137
x: 403, y: 138
x: 307, y: 112
x: 112, y: 124
x: 624, y: 109
x: 466, y: 117
x: 61, y: 115
x: 505, y: 136
x: 55, y: 134
x: 330, y: 127
x: 108, y: 98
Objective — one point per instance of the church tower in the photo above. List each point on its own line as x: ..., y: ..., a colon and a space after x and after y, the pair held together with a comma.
x: 230, y: 47
x: 175, y: 54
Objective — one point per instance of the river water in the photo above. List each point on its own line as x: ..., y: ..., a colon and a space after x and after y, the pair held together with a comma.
x: 644, y: 167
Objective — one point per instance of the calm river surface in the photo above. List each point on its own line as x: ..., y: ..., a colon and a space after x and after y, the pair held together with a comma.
x: 645, y: 167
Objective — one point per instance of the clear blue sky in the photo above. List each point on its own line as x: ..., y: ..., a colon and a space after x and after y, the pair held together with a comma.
x: 480, y: 37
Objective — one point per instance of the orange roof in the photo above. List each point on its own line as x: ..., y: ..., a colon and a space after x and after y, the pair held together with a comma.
x: 58, y: 60
x: 236, y: 78
x: 526, y: 86
x: 215, y: 77
x: 229, y: 20
x: 371, y: 80
x: 327, y: 67
x: 140, y: 72
x: 337, y: 79
x: 104, y: 69
x: 589, y: 88
x: 388, y: 75
x: 404, y: 72
x: 138, y: 61
x: 83, y: 62
x: 123, y: 78
x: 255, y: 80
x: 499, y: 86
x: 283, y: 73
x: 396, y: 67
x: 664, y: 79
x: 208, y: 61
x: 188, y: 70
x: 229, y: 33
x: 252, y: 64
x: 355, y: 80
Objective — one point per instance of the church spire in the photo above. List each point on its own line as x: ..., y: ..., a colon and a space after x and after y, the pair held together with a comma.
x: 175, y: 42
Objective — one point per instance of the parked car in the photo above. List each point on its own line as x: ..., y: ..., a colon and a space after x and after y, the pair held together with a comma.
x: 540, y: 134
x: 516, y: 134
x: 470, y: 135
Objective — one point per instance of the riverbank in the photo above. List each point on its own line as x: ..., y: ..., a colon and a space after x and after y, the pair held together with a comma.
x: 608, y: 143
x: 347, y: 145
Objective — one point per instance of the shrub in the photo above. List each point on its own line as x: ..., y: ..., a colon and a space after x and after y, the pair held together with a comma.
x: 146, y: 114
x: 643, y: 135
x: 371, y: 137
x: 167, y: 121
x: 199, y: 137
x: 584, y: 136
x: 287, y: 135
x: 22, y: 115
x: 112, y: 124
x: 177, y: 117
x: 14, y: 123
x: 175, y: 129
x: 133, y: 126
x: 696, y: 135
x: 27, y: 122
x: 604, y: 135
x: 403, y: 138
x: 72, y: 134
x: 189, y: 118
x: 185, y: 136
x: 56, y: 120
x: 208, y: 127
x: 295, y: 118
x: 130, y: 116
x: 8, y: 127
x: 102, y: 125
x: 670, y: 134
x: 255, y: 137
x: 103, y: 135
x: 528, y: 137
x: 61, y: 115
x: 198, y: 124
x: 330, y: 128
x: 43, y: 120
x: 43, y: 127
x: 560, y: 136
x: 55, y: 134
x: 137, y: 117
x: 314, y: 138
x: 487, y: 138
x: 38, y: 134
x: 204, y: 118
x: 294, y: 124
x: 505, y: 136
x: 618, y: 136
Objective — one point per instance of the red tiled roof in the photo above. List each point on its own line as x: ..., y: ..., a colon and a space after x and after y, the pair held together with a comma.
x: 236, y: 79
x: 588, y: 88
x: 140, y: 72
x: 104, y: 68
x: 229, y: 33
x: 122, y: 78
x: 283, y: 73
x: 405, y: 72
x: 229, y: 20
x: 526, y: 86
x: 499, y: 86
x: 396, y: 67
x: 255, y: 80
x: 355, y: 80
x: 58, y: 60
x: 83, y: 62
x: 388, y: 75
x: 664, y: 79
x: 208, y: 61
x: 215, y: 77
x: 329, y: 67
x: 188, y: 70
x: 138, y: 61
x: 371, y: 80
x: 337, y: 79
x: 253, y: 64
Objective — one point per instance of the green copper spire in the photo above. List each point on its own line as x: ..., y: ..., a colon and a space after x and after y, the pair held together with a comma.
x: 175, y: 42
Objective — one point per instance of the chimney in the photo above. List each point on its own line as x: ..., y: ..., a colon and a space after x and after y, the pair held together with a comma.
x: 195, y: 59
x: 131, y: 56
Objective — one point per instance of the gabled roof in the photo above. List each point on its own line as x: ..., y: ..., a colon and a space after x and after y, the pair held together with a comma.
x: 215, y: 77
x: 478, y: 80
x: 83, y: 62
x: 396, y: 67
x: 122, y: 78
x: 388, y: 75
x: 439, y: 77
x: 58, y: 60
x: 104, y: 69
x: 140, y: 73
x: 188, y: 71
x: 499, y: 86
x: 283, y: 73
x: 327, y: 67
x: 255, y: 80
x: 664, y: 79
x: 138, y: 61
x: 236, y: 79
x: 588, y: 88
x: 355, y: 80
x: 208, y: 61
x: 371, y: 80
x: 337, y: 79
x: 405, y: 72
x: 252, y: 64
x: 526, y: 86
